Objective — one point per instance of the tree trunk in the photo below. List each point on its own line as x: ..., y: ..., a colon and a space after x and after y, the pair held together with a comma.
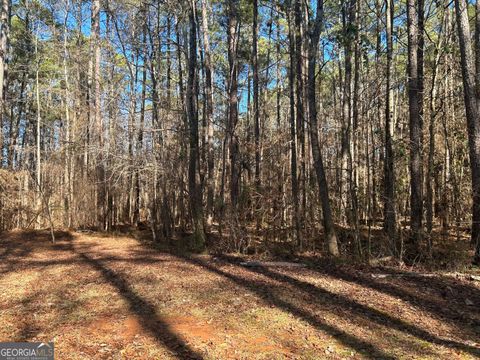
x: 209, y: 114
x: 256, y: 109
x: 136, y: 213
x: 95, y: 115
x: 429, y: 196
x: 472, y: 113
x: 389, y: 172
x: 68, y: 162
x: 415, y: 97
x: 293, y: 136
x: 232, y: 89
x: 300, y: 109
x: 328, y: 224
x: 4, y: 33
x: 38, y: 167
x: 194, y: 189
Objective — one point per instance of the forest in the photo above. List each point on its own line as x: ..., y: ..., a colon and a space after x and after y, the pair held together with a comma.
x: 253, y: 143
x: 299, y: 122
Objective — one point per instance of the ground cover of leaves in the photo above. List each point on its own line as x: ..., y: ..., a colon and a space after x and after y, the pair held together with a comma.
x: 105, y: 297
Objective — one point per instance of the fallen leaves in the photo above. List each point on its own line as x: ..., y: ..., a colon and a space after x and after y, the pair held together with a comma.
x: 138, y: 303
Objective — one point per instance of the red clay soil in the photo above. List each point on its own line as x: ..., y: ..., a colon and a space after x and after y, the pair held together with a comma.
x: 101, y: 297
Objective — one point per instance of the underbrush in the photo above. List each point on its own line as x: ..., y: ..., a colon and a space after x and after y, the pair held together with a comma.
x: 451, y: 251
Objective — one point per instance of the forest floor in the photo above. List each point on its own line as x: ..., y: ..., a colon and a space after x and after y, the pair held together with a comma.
x: 104, y: 297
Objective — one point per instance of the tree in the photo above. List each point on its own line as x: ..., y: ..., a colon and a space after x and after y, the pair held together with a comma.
x: 232, y: 94
x: 415, y: 101
x: 472, y: 114
x: 389, y: 173
x: 194, y: 189
x: 209, y: 113
x: 293, y: 134
x: 4, y: 33
x: 256, y: 110
x: 330, y: 234
x: 122, y: 122
x: 95, y: 116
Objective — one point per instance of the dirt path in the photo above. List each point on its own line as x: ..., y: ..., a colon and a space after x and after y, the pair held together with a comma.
x: 113, y: 298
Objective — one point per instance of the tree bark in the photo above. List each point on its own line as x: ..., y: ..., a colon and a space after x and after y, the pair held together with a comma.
x: 232, y: 89
x: 209, y: 114
x: 194, y: 189
x: 389, y: 172
x: 472, y: 113
x: 38, y: 165
x: 4, y: 33
x: 293, y: 135
x: 256, y: 110
x: 329, y: 227
x: 415, y: 97
x: 300, y: 109
x: 136, y: 213
x: 95, y: 115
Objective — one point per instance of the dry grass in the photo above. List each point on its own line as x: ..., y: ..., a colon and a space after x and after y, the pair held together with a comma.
x: 103, y: 297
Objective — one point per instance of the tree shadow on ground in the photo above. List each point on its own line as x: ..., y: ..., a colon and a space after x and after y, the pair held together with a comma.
x: 283, y: 291
x: 264, y: 292
x: 327, y: 298
x: 21, y: 243
x: 154, y: 325
x: 151, y: 322
x: 16, y: 255
x: 19, y: 246
x: 441, y: 297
